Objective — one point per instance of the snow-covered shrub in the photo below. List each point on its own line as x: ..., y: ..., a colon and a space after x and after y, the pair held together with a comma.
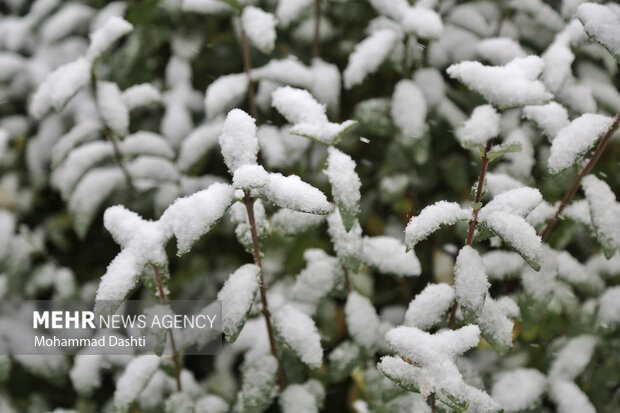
x: 403, y: 206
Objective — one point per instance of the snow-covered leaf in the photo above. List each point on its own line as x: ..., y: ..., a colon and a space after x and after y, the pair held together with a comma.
x: 113, y: 110
x: 519, y: 389
x: 470, y: 282
x: 258, y: 386
x: 293, y: 193
x: 601, y: 23
x: 224, y: 93
x: 133, y: 380
x: 237, y: 296
x: 238, y: 140
x: 605, y: 213
x: 347, y: 244
x: 345, y: 185
x: 101, y: 39
x: 480, y: 127
x: 430, y: 306
x: 409, y: 109
x: 388, y: 255
x: 551, y: 118
x: 368, y: 55
x: 260, y: 27
x: 300, y: 334
x: 431, y: 218
x: 362, y: 320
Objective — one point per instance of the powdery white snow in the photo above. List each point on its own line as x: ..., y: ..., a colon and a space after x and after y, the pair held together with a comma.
x: 569, y: 398
x: 605, y: 212
x: 499, y: 182
x: 307, y: 115
x: 368, y: 55
x: 211, y: 404
x: 495, y: 322
x: 198, y: 143
x: 321, y: 275
x: 347, y: 244
x: 224, y: 93
x: 297, y: 399
x: 551, y: 118
x: 141, y: 95
x: 574, y: 140
x: 431, y: 83
x: 345, y: 184
x: 59, y: 87
x: 470, y: 281
x: 290, y: 10
x: 422, y: 22
x: 429, y: 307
x: 248, y: 177
x: 514, y: 84
x: 290, y: 222
x: 289, y: 71
x: 238, y: 140
x: 519, y: 201
x: 500, y: 264
x: 499, y: 50
x: 101, y: 39
x: 293, y: 193
x: 431, y: 218
x: 146, y: 143
x: 112, y: 107
x: 388, y: 255
x: 237, y: 296
x: 299, y: 333
x: 480, y: 127
x: 516, y: 232
x: 362, y: 320
x: 409, y: 109
x: 260, y: 27
x: 608, y: 313
x: 573, y: 358
x: 519, y: 389
x: 133, y: 380
x: 191, y: 217
x: 601, y: 22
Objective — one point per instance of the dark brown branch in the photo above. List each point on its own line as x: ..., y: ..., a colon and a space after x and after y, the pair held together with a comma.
x: 247, y: 68
x: 347, y: 280
x: 405, y: 62
x: 249, y: 206
x: 317, y: 29
x: 600, y: 148
x: 474, y: 219
x: 163, y: 300
x: 431, y: 402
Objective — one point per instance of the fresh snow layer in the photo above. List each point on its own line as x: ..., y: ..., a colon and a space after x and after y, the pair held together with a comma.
x: 429, y: 307
x: 300, y: 333
x: 601, y: 22
x: 293, y: 193
x: 499, y: 50
x: 514, y: 84
x: 237, y: 296
x: 362, y: 320
x: 345, y: 184
x: 519, y: 389
x: 573, y: 358
x: 368, y: 55
x: 575, y: 139
x: 260, y: 27
x: 101, y: 39
x: 248, y: 177
x: 432, y: 218
x: 480, y: 127
x: 604, y: 211
x: 551, y: 118
x: 470, y: 280
x: 409, y: 109
x: 388, y: 255
x: 238, y: 140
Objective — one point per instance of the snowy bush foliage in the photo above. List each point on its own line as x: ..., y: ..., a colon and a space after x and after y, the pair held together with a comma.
x: 403, y: 206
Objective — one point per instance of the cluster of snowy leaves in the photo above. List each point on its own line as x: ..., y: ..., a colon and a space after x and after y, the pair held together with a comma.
x: 523, y: 70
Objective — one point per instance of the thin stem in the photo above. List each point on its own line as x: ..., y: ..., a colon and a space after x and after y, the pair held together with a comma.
x: 247, y: 67
x: 474, y: 219
x: 483, y: 173
x: 600, y: 148
x: 405, y: 62
x: 347, y: 280
x: 317, y: 29
x: 163, y: 300
x: 111, y: 136
x: 249, y: 206
x: 431, y: 402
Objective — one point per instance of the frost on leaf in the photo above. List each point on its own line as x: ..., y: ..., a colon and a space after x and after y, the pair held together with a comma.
x: 237, y: 296
x: 345, y: 185
x: 551, y: 118
x: 605, y: 213
x: 514, y: 84
x: 101, y: 39
x: 347, y: 244
x: 293, y: 193
x: 575, y: 140
x: 362, y: 320
x: 307, y: 115
x: 601, y: 23
x: 238, y: 140
x: 133, y: 380
x: 470, y: 282
x: 389, y: 256
x: 480, y: 127
x: 112, y: 107
x: 409, y: 110
x: 258, y: 386
x: 142, y: 242
x: 431, y: 219
x: 573, y: 358
x: 518, y: 390
x: 517, y: 233
x: 189, y: 218
x: 368, y: 55
x: 260, y: 27
x: 299, y: 333
x: 429, y: 307
x: 59, y: 87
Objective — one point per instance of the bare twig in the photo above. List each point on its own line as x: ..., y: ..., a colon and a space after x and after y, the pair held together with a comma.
x: 249, y: 206
x: 317, y: 29
x: 600, y: 148
x: 347, y: 280
x: 247, y: 67
x: 163, y: 300
x: 405, y: 62
x: 431, y: 402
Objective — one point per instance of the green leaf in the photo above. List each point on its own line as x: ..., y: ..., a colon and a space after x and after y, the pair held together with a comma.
x: 258, y: 388
x: 498, y: 150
